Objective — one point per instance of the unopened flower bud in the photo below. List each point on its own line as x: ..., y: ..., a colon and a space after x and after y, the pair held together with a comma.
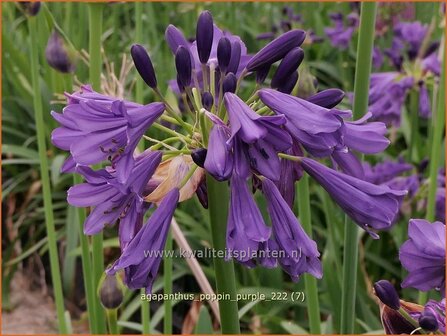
x: 111, y: 291
x: 235, y: 57
x: 289, y: 83
x: 59, y: 55
x: 204, y: 36
x: 386, y: 293
x: 30, y: 8
x: 288, y: 65
x: 144, y: 65
x: 183, y: 66
x: 175, y: 38
x: 224, y: 54
x: 327, y: 98
x: 207, y: 100
x: 229, y: 84
x: 199, y: 156
x: 428, y: 322
x: 276, y: 49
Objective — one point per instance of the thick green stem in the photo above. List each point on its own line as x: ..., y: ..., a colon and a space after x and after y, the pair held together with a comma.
x: 145, y: 315
x: 167, y: 288
x: 112, y: 321
x: 86, y: 266
x: 45, y: 178
x: 310, y: 283
x: 218, y: 200
x: 435, y: 152
x: 95, y: 32
x: 361, y: 90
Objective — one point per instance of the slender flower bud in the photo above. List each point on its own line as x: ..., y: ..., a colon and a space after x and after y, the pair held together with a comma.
x: 199, y: 156
x: 224, y: 54
x: 183, y: 65
x: 262, y: 73
x: 230, y: 82
x: 386, y: 293
x: 111, y: 292
x: 428, y: 322
x: 204, y: 36
x: 289, y: 83
x: 327, y: 98
x: 276, y: 49
x: 60, y: 56
x: 30, y: 8
x: 235, y: 57
x: 144, y: 65
x: 207, y: 100
x: 287, y: 67
x: 175, y: 38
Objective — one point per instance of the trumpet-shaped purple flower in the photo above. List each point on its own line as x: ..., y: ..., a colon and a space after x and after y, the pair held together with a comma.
x: 424, y: 101
x: 290, y: 172
x: 423, y: 255
x: 141, y: 258
x: 313, y: 126
x: 385, y: 171
x: 246, y: 228
x: 340, y: 34
x: 301, y: 254
x: 113, y: 200
x: 370, y: 206
x: 437, y: 310
x: 261, y: 136
x: 95, y: 127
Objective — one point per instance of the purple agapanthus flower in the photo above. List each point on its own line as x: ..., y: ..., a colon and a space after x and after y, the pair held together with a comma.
x: 301, y: 254
x: 113, y: 200
x: 261, y: 137
x: 141, y: 258
x: 387, y: 96
x: 95, y: 127
x: 340, y: 34
x: 316, y: 128
x: 369, y: 205
x: 423, y: 255
x: 246, y: 228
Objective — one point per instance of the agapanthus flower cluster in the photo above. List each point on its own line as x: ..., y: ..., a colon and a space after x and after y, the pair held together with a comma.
x: 423, y: 256
x: 262, y: 143
x: 416, y: 67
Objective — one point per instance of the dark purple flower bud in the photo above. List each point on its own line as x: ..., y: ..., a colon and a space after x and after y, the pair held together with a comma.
x: 183, y: 66
x: 204, y: 36
x: 144, y: 65
x: 202, y: 194
x: 424, y: 101
x: 431, y: 48
x: 287, y: 67
x: 386, y: 293
x: 30, y: 8
x: 289, y: 83
x: 428, y: 322
x: 262, y: 73
x: 224, y: 54
x: 111, y: 292
x: 276, y: 49
x: 336, y: 16
x: 207, y: 100
x: 58, y: 54
x: 199, y: 156
x: 235, y: 57
x: 175, y: 38
x: 327, y: 98
x: 230, y: 82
